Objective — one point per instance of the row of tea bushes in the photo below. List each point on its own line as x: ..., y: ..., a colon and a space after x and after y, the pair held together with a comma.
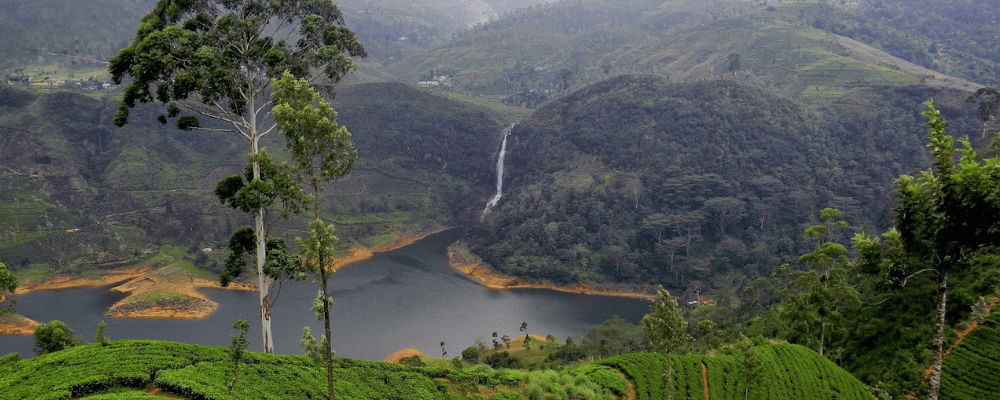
x: 970, y: 371
x: 791, y: 372
x: 127, y: 369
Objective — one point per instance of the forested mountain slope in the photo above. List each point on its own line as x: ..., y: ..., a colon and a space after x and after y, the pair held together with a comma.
x: 80, y: 194
x: 73, y: 34
x: 73, y: 38
x: 637, y: 179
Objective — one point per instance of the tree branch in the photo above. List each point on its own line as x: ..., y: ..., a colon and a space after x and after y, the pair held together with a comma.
x: 919, y: 272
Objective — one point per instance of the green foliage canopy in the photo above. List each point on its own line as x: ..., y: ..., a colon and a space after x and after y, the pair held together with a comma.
x: 665, y: 325
x: 54, y: 336
x: 322, y: 151
x: 223, y: 54
x: 8, y: 284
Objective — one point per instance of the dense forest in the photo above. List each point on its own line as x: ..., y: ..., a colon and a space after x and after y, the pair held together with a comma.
x: 639, y: 180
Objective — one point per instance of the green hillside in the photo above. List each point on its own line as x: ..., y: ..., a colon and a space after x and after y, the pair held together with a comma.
x: 540, y: 52
x: 954, y: 37
x: 53, y: 39
x: 80, y: 194
x: 640, y: 180
x: 95, y: 196
x: 130, y: 369
x: 52, y: 35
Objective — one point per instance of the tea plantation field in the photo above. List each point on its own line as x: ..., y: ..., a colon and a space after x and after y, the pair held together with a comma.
x: 146, y: 369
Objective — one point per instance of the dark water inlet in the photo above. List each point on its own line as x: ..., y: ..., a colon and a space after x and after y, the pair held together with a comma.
x: 404, y: 298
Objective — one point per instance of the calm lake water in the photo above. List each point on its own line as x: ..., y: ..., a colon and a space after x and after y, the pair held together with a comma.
x: 404, y: 298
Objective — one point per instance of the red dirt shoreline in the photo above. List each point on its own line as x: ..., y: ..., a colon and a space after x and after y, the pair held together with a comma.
x: 160, y: 291
x: 492, y: 279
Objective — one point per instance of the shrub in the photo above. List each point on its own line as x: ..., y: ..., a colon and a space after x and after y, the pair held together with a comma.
x: 503, y: 360
x: 414, y: 361
x: 100, y: 338
x: 471, y: 354
x: 54, y: 336
x: 10, y: 358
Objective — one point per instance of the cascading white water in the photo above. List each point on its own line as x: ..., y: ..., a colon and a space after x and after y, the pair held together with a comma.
x: 503, y: 151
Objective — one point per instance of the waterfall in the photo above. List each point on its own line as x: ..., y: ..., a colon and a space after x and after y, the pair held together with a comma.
x: 503, y: 151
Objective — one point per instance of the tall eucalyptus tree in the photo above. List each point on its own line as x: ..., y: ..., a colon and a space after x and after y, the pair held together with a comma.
x: 216, y: 59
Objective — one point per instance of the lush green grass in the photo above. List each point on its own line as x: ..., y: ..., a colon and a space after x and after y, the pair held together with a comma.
x: 156, y: 296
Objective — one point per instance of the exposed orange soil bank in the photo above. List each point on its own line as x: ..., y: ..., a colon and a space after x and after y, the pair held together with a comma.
x: 499, y: 281
x: 394, y: 358
x: 109, y: 277
x: 154, y: 291
x: 361, y: 254
x: 167, y: 293
x: 17, y: 325
x: 159, y: 291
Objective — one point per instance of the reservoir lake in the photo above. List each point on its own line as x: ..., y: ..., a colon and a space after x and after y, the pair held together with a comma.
x: 408, y: 297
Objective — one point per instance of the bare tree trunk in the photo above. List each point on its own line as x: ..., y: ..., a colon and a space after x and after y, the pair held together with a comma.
x: 263, y: 282
x: 939, y: 341
x: 328, y: 345
x: 822, y: 333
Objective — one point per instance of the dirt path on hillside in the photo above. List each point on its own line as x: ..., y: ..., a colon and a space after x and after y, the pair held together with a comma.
x: 631, y: 395
x: 869, y: 55
x: 960, y: 335
x: 704, y: 378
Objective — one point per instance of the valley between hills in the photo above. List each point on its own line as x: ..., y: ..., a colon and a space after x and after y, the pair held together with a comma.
x: 773, y: 165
